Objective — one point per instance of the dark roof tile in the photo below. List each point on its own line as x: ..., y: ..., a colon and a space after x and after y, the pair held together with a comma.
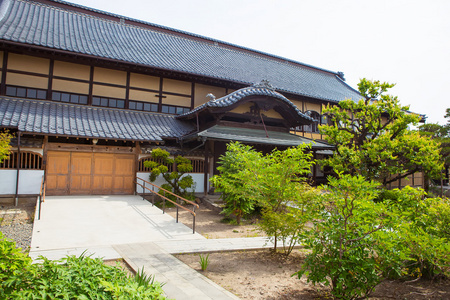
x: 46, y: 117
x: 64, y: 29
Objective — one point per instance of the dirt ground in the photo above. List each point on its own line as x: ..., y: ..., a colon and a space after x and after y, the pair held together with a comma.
x: 264, y: 275
x: 211, y: 224
x: 257, y: 274
x: 13, y: 215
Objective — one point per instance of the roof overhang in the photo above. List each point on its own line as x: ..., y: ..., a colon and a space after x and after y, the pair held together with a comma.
x: 72, y: 120
x: 254, y: 136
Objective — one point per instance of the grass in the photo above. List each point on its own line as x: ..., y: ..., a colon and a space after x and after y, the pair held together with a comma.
x: 204, y: 261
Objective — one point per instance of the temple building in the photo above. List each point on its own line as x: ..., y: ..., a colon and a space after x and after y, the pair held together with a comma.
x: 88, y: 95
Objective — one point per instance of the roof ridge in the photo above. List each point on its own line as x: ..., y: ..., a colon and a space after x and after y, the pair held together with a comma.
x: 179, y: 31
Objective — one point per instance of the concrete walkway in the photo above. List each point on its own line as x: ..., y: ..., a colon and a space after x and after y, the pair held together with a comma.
x: 128, y: 227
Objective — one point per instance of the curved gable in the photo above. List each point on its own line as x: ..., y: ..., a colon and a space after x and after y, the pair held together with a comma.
x: 262, y: 97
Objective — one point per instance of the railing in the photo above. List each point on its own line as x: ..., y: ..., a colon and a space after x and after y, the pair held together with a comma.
x: 41, y: 198
x: 177, y: 204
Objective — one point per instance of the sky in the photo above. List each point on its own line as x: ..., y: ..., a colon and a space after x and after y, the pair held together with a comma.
x: 406, y: 42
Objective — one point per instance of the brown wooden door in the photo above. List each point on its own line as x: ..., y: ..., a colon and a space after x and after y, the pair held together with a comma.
x: 57, y: 173
x: 123, y: 174
x: 103, y: 173
x: 78, y: 173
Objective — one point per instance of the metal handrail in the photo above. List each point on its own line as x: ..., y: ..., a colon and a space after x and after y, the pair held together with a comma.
x: 41, y: 197
x: 152, y: 190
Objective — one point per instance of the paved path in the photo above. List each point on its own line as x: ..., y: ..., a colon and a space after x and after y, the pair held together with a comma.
x: 127, y: 227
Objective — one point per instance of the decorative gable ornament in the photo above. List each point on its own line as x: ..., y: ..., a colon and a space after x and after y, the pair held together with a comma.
x: 264, y: 84
x: 211, y: 97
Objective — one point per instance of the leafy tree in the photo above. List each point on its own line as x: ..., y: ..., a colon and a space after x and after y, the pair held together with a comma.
x: 235, y: 168
x: 441, y: 134
x: 352, y: 244
x: 5, y: 148
x: 372, y: 138
x: 288, y: 202
x: 273, y: 182
x: 176, y: 181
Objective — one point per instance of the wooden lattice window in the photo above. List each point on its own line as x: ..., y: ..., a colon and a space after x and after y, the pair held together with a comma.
x: 28, y: 161
x: 142, y: 168
x: 198, y: 165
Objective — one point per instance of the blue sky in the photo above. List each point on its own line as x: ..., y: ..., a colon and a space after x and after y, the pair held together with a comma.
x: 406, y: 42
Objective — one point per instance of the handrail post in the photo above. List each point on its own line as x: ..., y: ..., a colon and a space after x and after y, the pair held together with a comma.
x: 164, y: 202
x: 164, y: 198
x: 144, y: 191
x: 153, y: 195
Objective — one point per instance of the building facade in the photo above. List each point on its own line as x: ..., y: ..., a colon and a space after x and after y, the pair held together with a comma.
x: 89, y: 94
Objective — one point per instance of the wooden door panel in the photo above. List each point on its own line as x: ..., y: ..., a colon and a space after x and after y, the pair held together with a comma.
x: 103, y: 173
x: 124, y: 174
x: 80, y: 173
x: 57, y: 173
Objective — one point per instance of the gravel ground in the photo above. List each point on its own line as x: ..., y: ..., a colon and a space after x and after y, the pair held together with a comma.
x: 20, y: 233
x: 16, y: 223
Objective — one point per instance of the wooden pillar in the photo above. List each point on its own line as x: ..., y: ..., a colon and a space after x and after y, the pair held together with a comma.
x: 18, y: 162
x: 314, y: 168
x: 206, y: 169
x: 137, y: 151
x: 4, y: 68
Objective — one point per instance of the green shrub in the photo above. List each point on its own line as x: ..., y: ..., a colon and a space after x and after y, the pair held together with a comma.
x: 14, y: 267
x: 69, y: 278
x: 352, y: 244
x: 177, y: 181
x: 423, y: 224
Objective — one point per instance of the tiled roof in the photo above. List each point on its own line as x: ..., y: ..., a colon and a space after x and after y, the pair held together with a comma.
x: 254, y: 136
x: 234, y: 97
x: 53, y: 118
x: 159, y: 47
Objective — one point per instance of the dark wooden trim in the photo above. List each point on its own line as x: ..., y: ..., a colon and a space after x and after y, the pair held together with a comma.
x: 44, y: 156
x: 193, y: 96
x: 127, y: 90
x: 109, y: 84
x: 4, y: 68
x: 250, y: 126
x: 28, y: 73
x: 143, y: 89
x: 89, y: 148
x: 91, y: 85
x: 160, y: 94
x: 18, y: 168
x: 50, y: 79
x: 70, y: 79
x: 176, y: 94
x: 206, y: 170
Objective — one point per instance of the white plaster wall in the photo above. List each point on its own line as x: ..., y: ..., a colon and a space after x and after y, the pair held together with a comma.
x: 29, y: 181
x: 198, y: 179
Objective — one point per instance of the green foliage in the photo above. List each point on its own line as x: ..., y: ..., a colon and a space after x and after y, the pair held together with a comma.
x: 274, y: 182
x: 5, y: 148
x: 204, y: 261
x: 69, y: 278
x: 441, y: 134
x: 352, y: 244
x: 372, y: 137
x: 235, y: 167
x: 177, y: 181
x: 423, y: 225
x: 13, y: 263
x: 288, y: 202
